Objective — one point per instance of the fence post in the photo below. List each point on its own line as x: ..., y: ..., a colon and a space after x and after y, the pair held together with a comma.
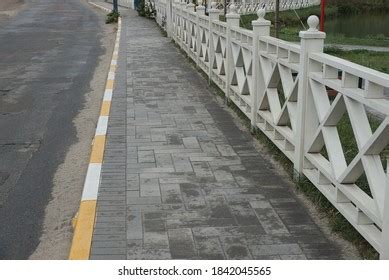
x: 181, y: 7
x: 312, y: 41
x: 190, y: 7
x: 261, y: 27
x: 169, y: 25
x: 232, y: 19
x: 200, y: 10
x: 384, y: 254
x: 213, y: 15
x: 175, y: 19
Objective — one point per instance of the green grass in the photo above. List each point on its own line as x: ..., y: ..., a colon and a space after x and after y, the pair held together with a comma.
x: 375, y: 41
x: 375, y: 60
x: 291, y: 25
x: 112, y: 17
x: 352, y: 7
x: 337, y: 222
x: 291, y: 34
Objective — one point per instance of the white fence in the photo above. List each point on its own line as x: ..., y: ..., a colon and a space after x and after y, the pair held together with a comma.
x: 283, y: 88
x: 250, y: 6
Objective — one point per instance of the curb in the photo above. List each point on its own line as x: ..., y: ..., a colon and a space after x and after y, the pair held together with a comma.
x: 85, y: 219
x: 100, y: 7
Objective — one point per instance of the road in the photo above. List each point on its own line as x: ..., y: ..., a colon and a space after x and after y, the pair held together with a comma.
x: 50, y: 54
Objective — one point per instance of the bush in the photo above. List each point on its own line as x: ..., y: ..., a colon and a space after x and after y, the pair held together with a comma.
x: 146, y: 9
x: 347, y: 7
x: 112, y: 17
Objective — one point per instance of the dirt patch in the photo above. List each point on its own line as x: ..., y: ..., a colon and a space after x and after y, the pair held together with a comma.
x: 57, y: 233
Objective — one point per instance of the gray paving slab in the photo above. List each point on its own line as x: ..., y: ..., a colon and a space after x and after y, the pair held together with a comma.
x: 181, y: 177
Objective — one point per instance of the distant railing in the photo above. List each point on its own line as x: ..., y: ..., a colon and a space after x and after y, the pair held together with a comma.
x: 252, y: 6
x: 161, y: 10
x: 300, y: 98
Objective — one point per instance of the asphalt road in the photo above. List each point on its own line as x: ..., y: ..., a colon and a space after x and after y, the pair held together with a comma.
x: 48, y: 54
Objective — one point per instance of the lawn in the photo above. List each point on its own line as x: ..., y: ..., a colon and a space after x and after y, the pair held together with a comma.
x: 293, y: 21
x: 376, y: 60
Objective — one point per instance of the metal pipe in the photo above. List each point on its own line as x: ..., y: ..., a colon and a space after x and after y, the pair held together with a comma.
x: 323, y: 14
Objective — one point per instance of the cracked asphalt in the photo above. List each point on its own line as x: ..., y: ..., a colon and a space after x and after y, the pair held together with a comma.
x: 48, y: 55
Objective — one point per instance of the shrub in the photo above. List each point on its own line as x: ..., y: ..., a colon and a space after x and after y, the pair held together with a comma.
x: 112, y: 17
x: 146, y: 9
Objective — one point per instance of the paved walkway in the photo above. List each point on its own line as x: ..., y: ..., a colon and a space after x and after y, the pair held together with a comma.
x: 180, y: 180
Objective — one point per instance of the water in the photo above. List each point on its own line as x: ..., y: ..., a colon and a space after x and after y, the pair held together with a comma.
x: 359, y: 26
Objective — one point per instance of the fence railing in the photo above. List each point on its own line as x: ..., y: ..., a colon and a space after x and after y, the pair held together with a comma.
x: 161, y: 10
x: 251, y: 6
x: 314, y: 107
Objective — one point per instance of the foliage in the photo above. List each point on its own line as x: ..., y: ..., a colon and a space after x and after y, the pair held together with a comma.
x: 112, y: 17
x: 146, y: 9
x: 291, y: 34
x: 375, y: 60
x: 347, y: 7
x: 291, y: 25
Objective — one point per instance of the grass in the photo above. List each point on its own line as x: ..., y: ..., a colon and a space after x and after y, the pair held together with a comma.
x: 375, y: 60
x: 352, y: 7
x: 291, y: 34
x: 291, y: 25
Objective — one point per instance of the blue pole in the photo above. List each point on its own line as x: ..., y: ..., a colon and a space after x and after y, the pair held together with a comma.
x: 115, y: 5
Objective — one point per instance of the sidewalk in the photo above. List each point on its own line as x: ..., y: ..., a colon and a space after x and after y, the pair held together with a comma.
x: 180, y: 180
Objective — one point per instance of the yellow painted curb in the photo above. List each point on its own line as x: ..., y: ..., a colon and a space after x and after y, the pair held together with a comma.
x: 98, y: 149
x: 84, y: 221
x: 82, y: 237
x: 105, y: 108
x: 109, y: 84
